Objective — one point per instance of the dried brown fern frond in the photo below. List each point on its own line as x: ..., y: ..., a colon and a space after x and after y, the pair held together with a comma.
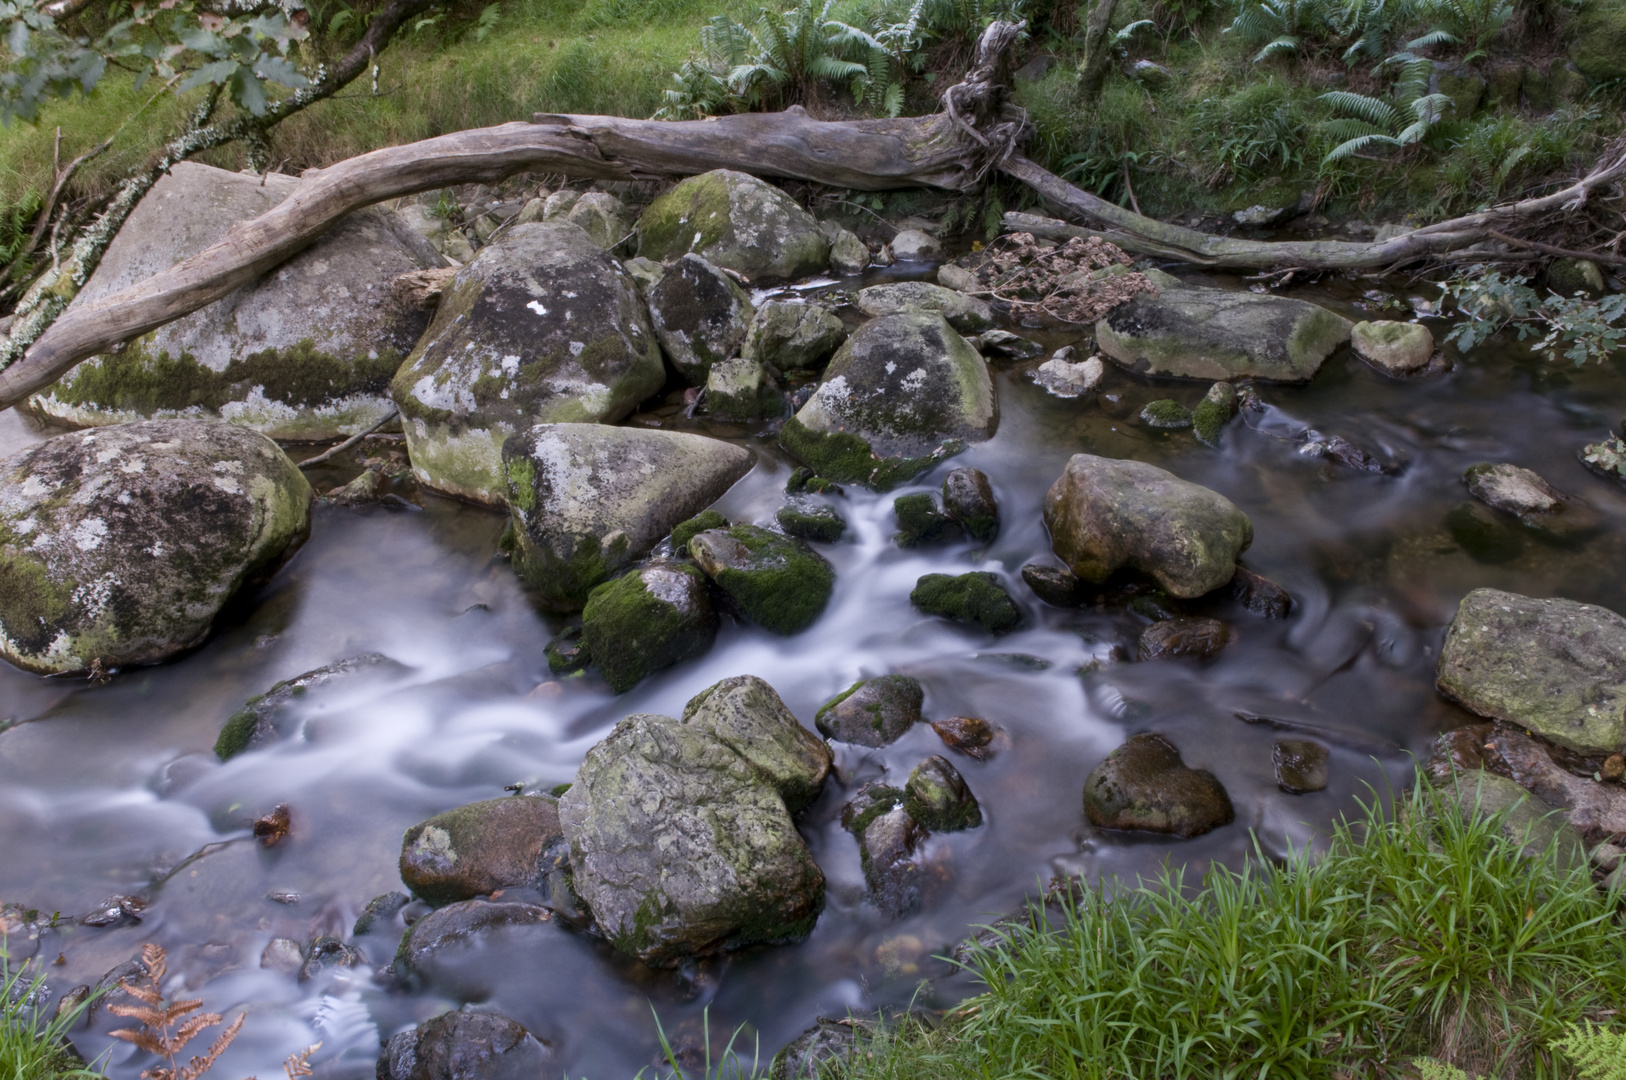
x: 202, y: 1064
x: 299, y: 1064
x: 163, y: 1031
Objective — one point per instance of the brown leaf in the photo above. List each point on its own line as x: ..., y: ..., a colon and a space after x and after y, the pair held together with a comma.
x: 273, y: 826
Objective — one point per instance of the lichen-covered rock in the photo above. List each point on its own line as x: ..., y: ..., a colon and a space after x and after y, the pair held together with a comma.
x: 588, y: 500
x: 820, y: 523
x: 976, y: 597
x: 700, y: 315
x: 888, y: 842
x: 680, y: 832
x: 1395, y: 348
x: 477, y: 849
x: 812, y: 1053
x: 1104, y: 513
x: 465, y: 1045
x: 1198, y: 637
x: 901, y: 393
x: 848, y: 254
x: 968, y: 498
x: 789, y: 335
x: 1144, y: 785
x: 1555, y: 667
x: 872, y: 712
x: 1301, y: 765
x: 736, y: 221
x: 922, y: 521
x: 120, y: 545
x: 937, y: 797
x: 966, y: 314
x: 542, y: 327
x: 266, y: 717
x: 646, y: 620
x: 460, y: 923
x: 777, y: 582
x: 741, y: 391
x: 1214, y: 334
x: 913, y: 245
x: 1531, y: 499
x: 597, y: 213
x: 305, y: 351
x: 1598, y: 40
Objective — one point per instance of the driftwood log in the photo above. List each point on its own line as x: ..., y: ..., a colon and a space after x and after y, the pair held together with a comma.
x: 955, y: 150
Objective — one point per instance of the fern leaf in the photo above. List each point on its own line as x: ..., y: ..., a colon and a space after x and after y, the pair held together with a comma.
x: 203, y: 1063
x: 1346, y: 128
x: 892, y: 102
x: 1356, y: 145
x: 1373, y: 110
x: 1436, y: 36
x: 1286, y: 45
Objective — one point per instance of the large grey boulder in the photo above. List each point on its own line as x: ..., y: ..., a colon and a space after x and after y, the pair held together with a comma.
x: 601, y: 215
x: 120, y: 545
x: 656, y: 616
x: 1555, y: 667
x: 903, y: 392
x: 700, y: 316
x: 738, y: 222
x: 542, y: 327
x: 464, y: 1045
x: 680, y: 831
x: 966, y: 314
x: 305, y: 351
x: 1144, y: 785
x: 1215, y: 334
x: 1104, y: 513
x: 790, y: 334
x: 475, y: 850
x: 588, y: 500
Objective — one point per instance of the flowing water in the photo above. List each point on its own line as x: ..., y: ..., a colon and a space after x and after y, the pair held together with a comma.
x: 112, y: 789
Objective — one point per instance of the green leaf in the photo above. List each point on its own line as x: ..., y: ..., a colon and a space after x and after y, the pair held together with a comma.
x: 247, y: 91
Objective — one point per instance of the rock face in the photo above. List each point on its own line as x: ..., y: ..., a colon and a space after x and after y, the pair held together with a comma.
x: 588, y: 500
x: 735, y: 221
x: 263, y: 718
x: 977, y: 598
x: 700, y: 316
x: 120, y: 545
x: 464, y: 1046
x: 680, y: 831
x: 1104, y: 513
x: 1599, y: 45
x: 904, y: 391
x: 792, y: 335
x: 775, y: 581
x: 306, y: 351
x: 477, y: 849
x: 1214, y: 334
x: 543, y: 327
x: 646, y: 620
x: 1556, y: 667
x: 1536, y: 503
x: 965, y: 313
x: 1143, y: 785
x: 872, y: 712
x: 1394, y: 347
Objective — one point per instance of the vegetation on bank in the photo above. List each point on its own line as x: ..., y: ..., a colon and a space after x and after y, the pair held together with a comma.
x: 33, y: 1037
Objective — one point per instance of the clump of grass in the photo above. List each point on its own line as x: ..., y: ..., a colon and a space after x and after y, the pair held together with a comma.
x: 33, y: 1040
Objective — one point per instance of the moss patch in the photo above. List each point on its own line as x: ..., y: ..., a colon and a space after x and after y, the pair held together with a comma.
x: 1208, y: 419
x: 845, y: 457
x: 1166, y: 413
x: 976, y: 598
x: 686, y: 531
x: 783, y: 585
x: 631, y: 630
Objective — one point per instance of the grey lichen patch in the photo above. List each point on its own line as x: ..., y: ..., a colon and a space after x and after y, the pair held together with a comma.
x: 735, y: 221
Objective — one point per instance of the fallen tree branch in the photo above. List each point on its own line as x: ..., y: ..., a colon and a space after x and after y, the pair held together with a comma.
x: 1557, y: 252
x: 351, y: 441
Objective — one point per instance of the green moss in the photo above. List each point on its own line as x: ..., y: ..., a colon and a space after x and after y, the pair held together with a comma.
x: 686, y: 531
x: 1209, y: 419
x: 238, y: 730
x: 1166, y: 413
x: 878, y: 799
x: 31, y: 604
x: 568, y: 653
x: 786, y: 586
x: 558, y: 790
x: 976, y: 598
x: 630, y: 632
x: 563, y: 582
x: 921, y: 520
x: 845, y: 457
x: 819, y: 523
x: 803, y: 479
x: 670, y: 225
x: 521, y: 483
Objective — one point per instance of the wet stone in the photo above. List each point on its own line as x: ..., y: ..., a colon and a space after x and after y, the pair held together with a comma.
x: 811, y: 1054
x: 922, y: 521
x: 976, y: 597
x: 888, y: 841
x: 1485, y: 537
x: 937, y: 797
x: 462, y: 923
x: 328, y: 954
x: 465, y: 1045
x: 872, y: 712
x: 1144, y: 785
x: 1532, y: 500
x: 1301, y: 766
x: 380, y: 913
x: 1064, y: 377
x: 282, y: 955
x: 804, y: 481
x: 1195, y: 637
x: 968, y: 498
x: 1260, y: 595
x: 776, y: 582
x: 567, y: 653
x: 267, y: 717
x: 1056, y: 585
x: 480, y: 848
x: 817, y: 523
x: 970, y: 735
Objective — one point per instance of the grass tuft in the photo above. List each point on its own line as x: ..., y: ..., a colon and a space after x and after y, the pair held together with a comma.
x: 34, y: 1040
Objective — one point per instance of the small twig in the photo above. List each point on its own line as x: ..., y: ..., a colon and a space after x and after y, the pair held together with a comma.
x: 1133, y: 202
x: 351, y: 441
x: 1549, y: 249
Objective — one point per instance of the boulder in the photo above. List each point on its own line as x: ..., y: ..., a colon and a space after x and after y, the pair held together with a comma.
x: 848, y: 255
x: 465, y: 1045
x: 937, y: 797
x: 1062, y: 377
x: 1395, y: 348
x: 588, y: 500
x: 1104, y: 514
x: 775, y: 581
x: 477, y: 849
x: 700, y: 316
x: 1598, y: 40
x: 461, y: 923
x: 819, y: 523
x: 888, y: 842
x: 872, y: 712
x: 1554, y: 667
x: 597, y: 213
x: 646, y: 620
x: 120, y: 545
x: 267, y: 717
x: 1214, y: 334
x: 922, y: 521
x: 1213, y: 412
x: 305, y: 351
x: 741, y: 391
x: 965, y: 313
x: 903, y: 392
x: 789, y: 335
x: 543, y: 327
x: 977, y: 598
x: 680, y: 832
x: 1532, y: 500
x: 968, y: 498
x: 1144, y: 785
x: 1056, y: 585
x: 1301, y: 765
x: 737, y: 222
x: 970, y: 735
x: 1198, y: 637
x: 913, y: 245
x: 1570, y: 277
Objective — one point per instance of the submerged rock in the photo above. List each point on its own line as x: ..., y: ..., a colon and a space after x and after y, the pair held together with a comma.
x: 1056, y: 585
x: 588, y: 500
x: 937, y: 797
x: 735, y: 221
x: 465, y: 1045
x: 976, y: 597
x: 777, y: 582
x: 1395, y: 348
x: 327, y: 953
x: 1555, y: 667
x: 872, y: 712
x: 120, y: 545
x: 970, y: 735
x: 480, y: 848
x: 305, y: 351
x: 651, y: 618
x: 820, y: 523
x: 1301, y: 765
x: 1260, y: 595
x: 922, y: 521
x: 969, y: 499
x: 263, y: 719
x: 792, y: 335
x: 1196, y: 637
x: 1214, y: 334
x: 700, y: 315
x: 888, y: 842
x: 1536, y: 503
x: 542, y: 327
x: 460, y: 923
x: 1104, y: 513
x: 1144, y: 785
x: 903, y: 392
x: 680, y: 832
x: 967, y: 314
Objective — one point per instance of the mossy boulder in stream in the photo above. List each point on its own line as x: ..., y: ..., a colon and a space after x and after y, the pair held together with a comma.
x: 790, y: 334
x: 872, y: 712
x: 968, y: 498
x: 1555, y: 667
x: 736, y: 221
x: 1144, y: 785
x: 680, y: 832
x: 936, y: 795
x: 741, y: 391
x: 542, y: 327
x: 588, y: 500
x: 977, y: 598
x: 304, y: 351
x: 267, y: 717
x: 120, y: 545
x: 1104, y: 513
x: 700, y: 316
x: 775, y: 581
x: 1214, y: 334
x: 646, y: 620
x: 903, y: 392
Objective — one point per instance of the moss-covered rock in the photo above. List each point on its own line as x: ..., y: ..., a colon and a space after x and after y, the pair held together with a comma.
x: 597, y: 213
x: 976, y: 597
x: 542, y: 327
x: 700, y: 316
x: 1569, y: 277
x: 819, y: 522
x: 741, y: 391
x: 1166, y: 413
x: 477, y: 849
x: 790, y: 334
x: 465, y: 1045
x: 567, y: 653
x: 1144, y: 785
x: 267, y: 717
x: 1213, y: 412
x: 646, y: 620
x: 680, y: 832
x: 903, y: 392
x: 735, y: 221
x: 968, y: 498
x: 1598, y: 42
x: 1462, y: 84
x: 922, y: 521
x: 685, y: 531
x: 1395, y: 348
x: 872, y: 712
x: 804, y: 481
x: 777, y: 582
x: 889, y: 842
x: 936, y: 795
x: 120, y: 545
x: 589, y: 500
x: 967, y: 314
x: 305, y: 351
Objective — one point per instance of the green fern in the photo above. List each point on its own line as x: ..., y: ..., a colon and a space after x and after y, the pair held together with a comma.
x: 1468, y: 23
x: 1285, y: 27
x: 1597, y: 1052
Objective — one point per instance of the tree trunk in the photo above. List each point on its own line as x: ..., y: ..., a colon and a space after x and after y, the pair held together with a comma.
x: 1092, y: 74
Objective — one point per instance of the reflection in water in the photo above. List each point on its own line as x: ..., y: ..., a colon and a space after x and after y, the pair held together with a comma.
x: 105, y: 790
